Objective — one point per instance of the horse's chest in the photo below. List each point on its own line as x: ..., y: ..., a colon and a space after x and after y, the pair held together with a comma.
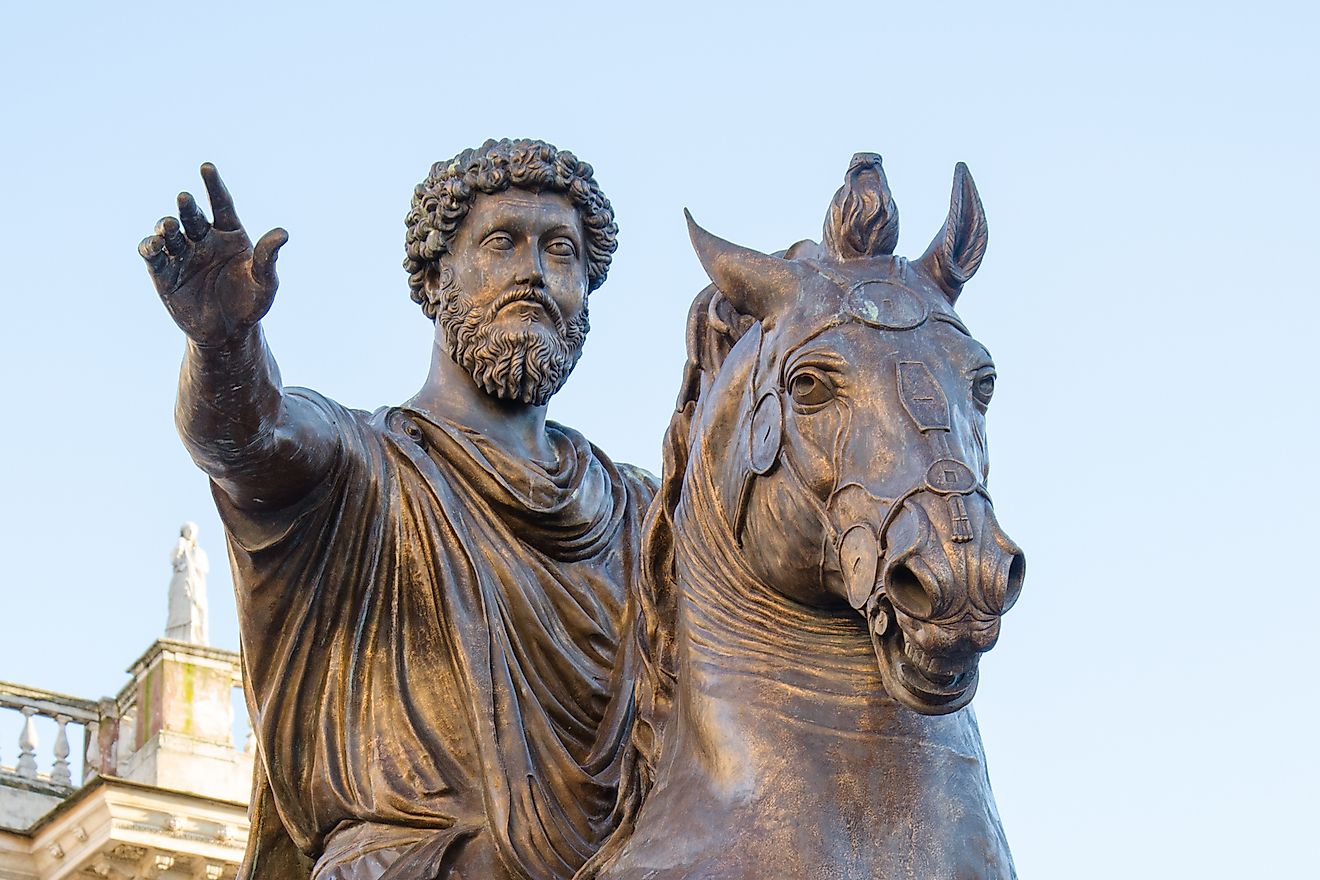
x: 844, y: 812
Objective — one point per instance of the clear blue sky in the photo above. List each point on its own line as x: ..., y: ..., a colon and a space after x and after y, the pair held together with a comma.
x: 1149, y: 293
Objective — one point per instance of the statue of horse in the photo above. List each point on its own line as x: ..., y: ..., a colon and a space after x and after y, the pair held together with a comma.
x: 825, y: 568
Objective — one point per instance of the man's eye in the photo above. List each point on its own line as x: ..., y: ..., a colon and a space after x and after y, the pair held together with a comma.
x: 983, y: 388
x: 498, y: 241
x: 810, y: 388
x: 561, y: 247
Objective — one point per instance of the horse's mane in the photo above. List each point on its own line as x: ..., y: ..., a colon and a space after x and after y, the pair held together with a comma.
x: 713, y: 328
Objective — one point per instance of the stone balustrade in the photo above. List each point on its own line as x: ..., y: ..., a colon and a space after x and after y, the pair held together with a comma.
x: 152, y: 782
x: 86, y: 716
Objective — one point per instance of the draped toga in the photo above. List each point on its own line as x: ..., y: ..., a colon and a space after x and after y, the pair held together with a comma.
x: 433, y: 646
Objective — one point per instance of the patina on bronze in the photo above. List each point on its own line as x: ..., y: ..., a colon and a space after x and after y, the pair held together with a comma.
x: 432, y: 598
x: 823, y: 560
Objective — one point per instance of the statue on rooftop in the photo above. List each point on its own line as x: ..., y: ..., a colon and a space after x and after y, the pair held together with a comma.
x: 186, y: 621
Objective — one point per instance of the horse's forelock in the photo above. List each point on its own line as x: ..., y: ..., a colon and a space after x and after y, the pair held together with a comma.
x: 863, y: 219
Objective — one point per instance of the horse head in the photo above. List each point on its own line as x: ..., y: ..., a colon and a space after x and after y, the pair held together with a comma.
x: 845, y: 434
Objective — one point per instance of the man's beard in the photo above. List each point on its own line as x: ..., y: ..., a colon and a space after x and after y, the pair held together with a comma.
x: 525, y: 365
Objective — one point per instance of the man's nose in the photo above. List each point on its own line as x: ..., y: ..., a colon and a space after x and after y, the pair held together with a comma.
x: 528, y: 270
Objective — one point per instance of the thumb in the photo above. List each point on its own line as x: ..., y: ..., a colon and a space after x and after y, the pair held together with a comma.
x: 264, y: 254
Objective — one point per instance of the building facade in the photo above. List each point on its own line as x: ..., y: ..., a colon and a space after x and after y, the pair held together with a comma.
x: 163, y: 785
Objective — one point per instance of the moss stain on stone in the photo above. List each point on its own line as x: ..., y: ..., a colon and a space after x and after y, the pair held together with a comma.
x: 189, y: 673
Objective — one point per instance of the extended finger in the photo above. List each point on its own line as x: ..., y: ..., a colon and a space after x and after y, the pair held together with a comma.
x: 164, y: 271
x: 195, y: 225
x: 152, y: 249
x: 168, y: 230
x: 264, y: 254
x: 222, y: 205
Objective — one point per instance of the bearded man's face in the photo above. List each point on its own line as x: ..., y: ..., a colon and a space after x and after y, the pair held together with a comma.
x: 526, y: 363
x: 513, y: 294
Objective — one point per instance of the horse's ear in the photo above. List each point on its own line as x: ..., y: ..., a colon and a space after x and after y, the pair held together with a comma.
x: 863, y: 219
x: 955, y: 254
x: 754, y: 283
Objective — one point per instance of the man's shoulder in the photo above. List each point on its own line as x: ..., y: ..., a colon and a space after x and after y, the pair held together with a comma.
x: 366, y: 439
x: 346, y: 417
x: 636, y: 477
x: 639, y: 475
x: 329, y: 405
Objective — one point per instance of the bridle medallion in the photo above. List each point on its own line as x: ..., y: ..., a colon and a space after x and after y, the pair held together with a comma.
x: 886, y: 305
x: 948, y: 476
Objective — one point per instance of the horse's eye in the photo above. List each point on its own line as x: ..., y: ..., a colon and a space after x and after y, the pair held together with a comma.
x: 810, y: 388
x: 983, y: 388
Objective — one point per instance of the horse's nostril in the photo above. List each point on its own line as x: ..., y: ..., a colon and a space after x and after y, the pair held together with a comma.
x: 1017, y: 573
x: 906, y: 592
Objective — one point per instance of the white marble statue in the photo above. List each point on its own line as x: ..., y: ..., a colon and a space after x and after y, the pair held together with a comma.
x: 187, y: 616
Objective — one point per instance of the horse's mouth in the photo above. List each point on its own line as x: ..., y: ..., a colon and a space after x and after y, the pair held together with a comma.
x: 920, y: 681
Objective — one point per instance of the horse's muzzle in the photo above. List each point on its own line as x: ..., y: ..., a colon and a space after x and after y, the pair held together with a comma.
x: 938, y: 602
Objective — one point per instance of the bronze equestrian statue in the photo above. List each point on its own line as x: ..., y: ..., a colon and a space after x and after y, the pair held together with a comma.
x: 824, y: 568
x: 475, y: 647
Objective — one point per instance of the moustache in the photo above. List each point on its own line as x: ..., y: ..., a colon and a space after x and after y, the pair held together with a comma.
x: 533, y: 295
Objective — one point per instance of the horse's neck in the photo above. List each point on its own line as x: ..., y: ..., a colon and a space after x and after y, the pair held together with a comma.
x: 785, y: 757
x: 782, y: 754
x: 768, y: 686
x: 739, y: 637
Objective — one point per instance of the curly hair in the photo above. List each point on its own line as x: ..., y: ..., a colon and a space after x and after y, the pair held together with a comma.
x: 440, y: 203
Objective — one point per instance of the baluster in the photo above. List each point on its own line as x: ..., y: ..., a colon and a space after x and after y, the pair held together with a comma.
x: 92, y: 758
x: 27, y: 745
x: 59, y: 771
x: 126, y: 742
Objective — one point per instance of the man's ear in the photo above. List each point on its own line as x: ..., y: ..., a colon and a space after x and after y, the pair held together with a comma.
x: 438, y: 277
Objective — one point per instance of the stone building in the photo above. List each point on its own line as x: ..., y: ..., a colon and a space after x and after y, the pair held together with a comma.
x: 163, y: 785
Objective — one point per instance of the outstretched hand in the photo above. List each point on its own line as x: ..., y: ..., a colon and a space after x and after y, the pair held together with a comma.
x: 213, y: 282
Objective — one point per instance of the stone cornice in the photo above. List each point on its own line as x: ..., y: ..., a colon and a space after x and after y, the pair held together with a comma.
x: 203, y: 652
x: 116, y: 828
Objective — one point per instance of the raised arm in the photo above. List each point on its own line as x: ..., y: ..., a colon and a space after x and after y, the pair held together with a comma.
x: 264, y: 448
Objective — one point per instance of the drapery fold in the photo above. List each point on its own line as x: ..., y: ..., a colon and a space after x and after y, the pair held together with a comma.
x: 434, y: 647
